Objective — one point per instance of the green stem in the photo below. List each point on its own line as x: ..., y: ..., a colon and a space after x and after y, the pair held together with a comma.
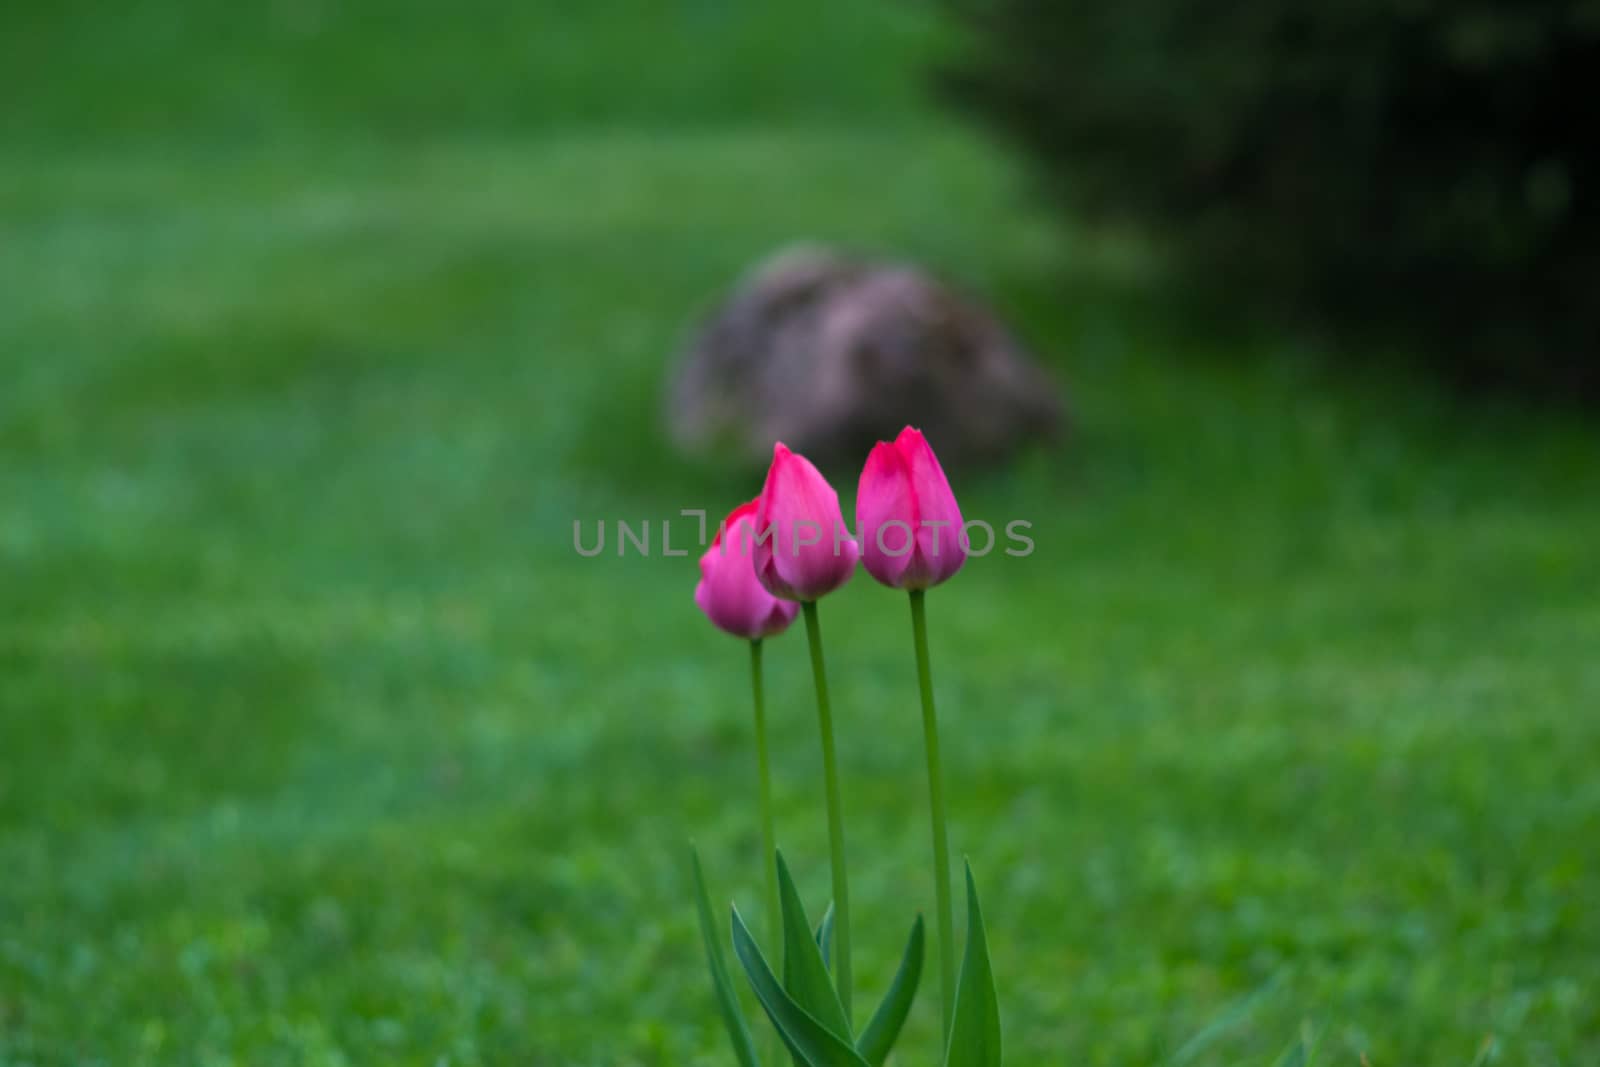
x: 830, y: 776
x: 764, y: 770
x: 941, y: 837
x: 769, y: 845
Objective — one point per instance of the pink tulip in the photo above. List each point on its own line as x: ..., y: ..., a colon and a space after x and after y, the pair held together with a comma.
x: 908, y: 519
x: 803, y: 550
x: 729, y: 593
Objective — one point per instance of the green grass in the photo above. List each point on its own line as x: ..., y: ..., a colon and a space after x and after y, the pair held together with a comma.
x: 318, y: 744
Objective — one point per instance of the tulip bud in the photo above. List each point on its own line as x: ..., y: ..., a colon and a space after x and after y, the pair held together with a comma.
x: 908, y: 519
x: 729, y: 593
x: 803, y: 549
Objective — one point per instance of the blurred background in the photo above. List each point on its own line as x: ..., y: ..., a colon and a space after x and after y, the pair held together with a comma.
x: 321, y: 323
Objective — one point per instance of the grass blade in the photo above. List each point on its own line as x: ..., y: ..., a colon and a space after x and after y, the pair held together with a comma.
x: 1231, y: 1017
x: 1302, y: 1052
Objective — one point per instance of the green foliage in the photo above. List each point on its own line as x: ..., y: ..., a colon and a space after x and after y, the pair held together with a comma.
x: 1300, y: 1053
x: 1433, y: 165
x: 812, y: 1043
x: 975, y: 1025
x: 727, y: 1001
x: 805, y: 975
x: 825, y: 933
x: 881, y: 1031
x: 806, y: 1008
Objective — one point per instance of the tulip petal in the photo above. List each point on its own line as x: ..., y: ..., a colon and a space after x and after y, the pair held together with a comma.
x: 803, y: 549
x: 885, y: 515
x: 907, y: 515
x: 729, y: 593
x: 939, y: 550
x: 781, y: 615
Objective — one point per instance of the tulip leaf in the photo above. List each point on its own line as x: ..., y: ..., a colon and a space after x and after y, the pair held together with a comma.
x: 807, y: 1040
x: 825, y: 936
x: 805, y: 974
x: 884, y: 1026
x: 975, y: 1029
x: 727, y: 1003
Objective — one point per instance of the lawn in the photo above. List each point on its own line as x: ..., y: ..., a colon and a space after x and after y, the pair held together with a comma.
x: 319, y: 744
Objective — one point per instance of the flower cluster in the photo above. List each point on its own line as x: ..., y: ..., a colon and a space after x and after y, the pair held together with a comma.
x: 773, y: 558
x: 791, y: 544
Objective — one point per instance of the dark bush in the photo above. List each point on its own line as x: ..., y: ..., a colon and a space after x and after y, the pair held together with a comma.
x: 1424, y: 164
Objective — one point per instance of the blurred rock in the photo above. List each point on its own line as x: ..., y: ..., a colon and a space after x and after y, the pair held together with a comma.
x: 830, y: 354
